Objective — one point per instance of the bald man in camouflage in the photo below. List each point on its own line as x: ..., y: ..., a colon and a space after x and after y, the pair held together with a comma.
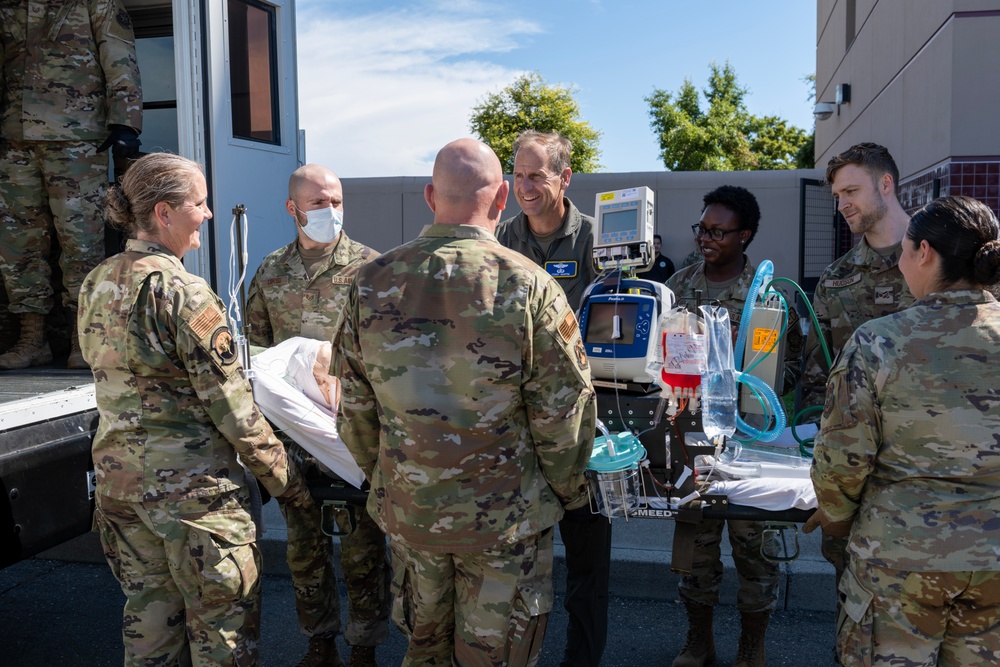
x: 467, y: 402
x: 69, y: 90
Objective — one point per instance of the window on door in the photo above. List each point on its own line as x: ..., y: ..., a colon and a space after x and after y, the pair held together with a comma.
x: 253, y: 66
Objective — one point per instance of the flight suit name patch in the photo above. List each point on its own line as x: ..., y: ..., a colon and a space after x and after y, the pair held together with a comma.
x: 561, y: 269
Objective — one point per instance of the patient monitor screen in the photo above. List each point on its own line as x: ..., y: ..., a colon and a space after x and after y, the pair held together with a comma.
x: 620, y: 221
x: 600, y: 323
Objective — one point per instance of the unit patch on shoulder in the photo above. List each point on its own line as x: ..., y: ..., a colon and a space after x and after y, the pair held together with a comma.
x: 568, y: 327
x: 223, y: 346
x: 581, y: 354
x: 207, y: 320
x: 124, y: 19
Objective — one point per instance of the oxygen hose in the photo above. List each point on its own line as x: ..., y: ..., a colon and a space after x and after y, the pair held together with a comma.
x: 805, y: 444
x: 765, y: 273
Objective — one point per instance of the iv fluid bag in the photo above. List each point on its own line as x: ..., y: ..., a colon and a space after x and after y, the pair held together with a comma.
x: 718, y: 382
x: 718, y: 404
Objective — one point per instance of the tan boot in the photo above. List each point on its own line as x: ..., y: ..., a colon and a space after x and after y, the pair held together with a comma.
x: 322, y: 652
x: 362, y: 656
x: 31, y: 348
x: 75, y: 360
x: 751, y: 652
x: 699, y: 646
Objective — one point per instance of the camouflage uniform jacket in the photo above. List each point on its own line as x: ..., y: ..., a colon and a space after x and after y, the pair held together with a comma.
x: 908, y: 446
x: 467, y: 398
x: 175, y: 407
x: 284, y: 302
x: 684, y: 283
x: 858, y: 287
x: 570, y: 258
x: 68, y: 70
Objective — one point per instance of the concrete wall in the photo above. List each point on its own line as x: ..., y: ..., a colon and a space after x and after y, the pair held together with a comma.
x: 924, y: 76
x: 384, y: 212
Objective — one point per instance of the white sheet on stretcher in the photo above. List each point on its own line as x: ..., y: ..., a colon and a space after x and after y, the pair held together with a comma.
x: 780, y: 487
x: 287, y: 393
x: 768, y: 494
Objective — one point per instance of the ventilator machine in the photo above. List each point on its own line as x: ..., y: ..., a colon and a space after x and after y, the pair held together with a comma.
x: 691, y: 426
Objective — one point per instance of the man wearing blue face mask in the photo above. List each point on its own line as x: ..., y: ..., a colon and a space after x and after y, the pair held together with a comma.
x: 299, y: 290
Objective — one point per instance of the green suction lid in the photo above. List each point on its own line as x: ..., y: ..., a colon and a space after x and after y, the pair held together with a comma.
x: 628, y: 451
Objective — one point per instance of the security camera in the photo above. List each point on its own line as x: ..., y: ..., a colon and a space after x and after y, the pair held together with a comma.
x: 823, y: 110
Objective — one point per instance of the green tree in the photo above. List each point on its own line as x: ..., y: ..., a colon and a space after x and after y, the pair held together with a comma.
x: 723, y: 137
x: 531, y: 104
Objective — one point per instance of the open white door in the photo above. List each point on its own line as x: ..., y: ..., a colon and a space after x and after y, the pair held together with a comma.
x: 241, y: 111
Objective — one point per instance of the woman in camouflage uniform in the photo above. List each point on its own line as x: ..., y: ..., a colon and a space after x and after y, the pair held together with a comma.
x: 907, y: 461
x: 175, y: 411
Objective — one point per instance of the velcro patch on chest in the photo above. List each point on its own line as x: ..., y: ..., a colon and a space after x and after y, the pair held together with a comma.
x: 561, y: 269
x: 884, y: 296
x: 341, y: 280
x: 843, y: 282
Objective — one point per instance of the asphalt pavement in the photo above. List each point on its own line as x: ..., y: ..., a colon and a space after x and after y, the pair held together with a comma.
x: 64, y: 608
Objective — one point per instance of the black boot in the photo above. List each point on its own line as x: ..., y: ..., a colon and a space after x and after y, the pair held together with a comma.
x: 751, y: 652
x: 699, y: 647
x: 322, y: 652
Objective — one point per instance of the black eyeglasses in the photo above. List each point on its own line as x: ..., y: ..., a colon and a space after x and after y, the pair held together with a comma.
x: 714, y: 234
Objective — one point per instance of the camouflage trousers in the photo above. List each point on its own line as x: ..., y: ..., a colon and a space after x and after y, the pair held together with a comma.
x: 483, y: 609
x: 365, y: 563
x: 834, y: 550
x: 190, y: 573
x: 49, y: 188
x: 758, y: 576
x: 910, y: 619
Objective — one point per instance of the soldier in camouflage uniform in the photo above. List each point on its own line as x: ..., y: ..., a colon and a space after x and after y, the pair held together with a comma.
x: 468, y: 404
x: 300, y: 290
x: 69, y: 82
x: 863, y: 284
x: 175, y: 412
x: 907, y: 461
x: 729, y: 222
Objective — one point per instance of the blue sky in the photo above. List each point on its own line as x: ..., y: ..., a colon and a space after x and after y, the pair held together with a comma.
x: 384, y: 84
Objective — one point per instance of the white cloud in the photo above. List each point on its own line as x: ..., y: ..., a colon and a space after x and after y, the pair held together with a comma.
x: 381, y: 93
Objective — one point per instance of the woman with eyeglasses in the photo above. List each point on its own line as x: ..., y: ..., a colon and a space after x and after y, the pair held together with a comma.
x: 728, y: 224
x: 907, y: 461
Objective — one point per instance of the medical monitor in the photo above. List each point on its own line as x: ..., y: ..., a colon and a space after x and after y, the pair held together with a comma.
x: 618, y: 335
x: 601, y: 323
x: 623, y: 235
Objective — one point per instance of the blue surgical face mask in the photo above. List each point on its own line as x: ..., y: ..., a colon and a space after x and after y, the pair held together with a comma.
x: 324, y: 224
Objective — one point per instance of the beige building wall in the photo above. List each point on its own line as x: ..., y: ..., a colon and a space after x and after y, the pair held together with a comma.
x: 925, y: 83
